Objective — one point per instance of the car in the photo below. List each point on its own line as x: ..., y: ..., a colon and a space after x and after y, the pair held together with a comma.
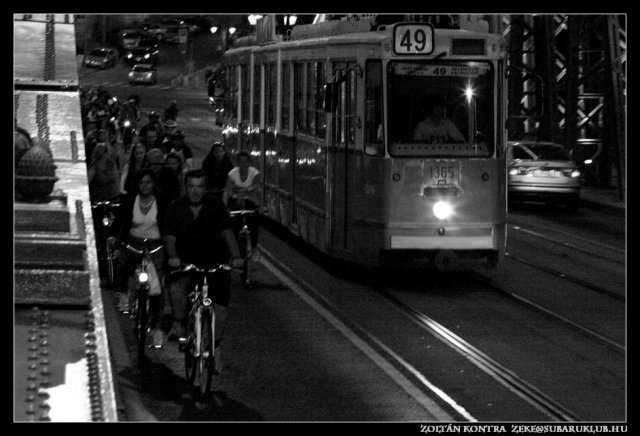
x: 101, y: 57
x: 141, y: 55
x: 130, y: 38
x: 163, y: 30
x: 542, y: 170
x: 143, y: 73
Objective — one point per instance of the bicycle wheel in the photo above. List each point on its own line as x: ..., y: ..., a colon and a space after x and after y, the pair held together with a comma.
x: 245, y: 251
x: 204, y: 365
x: 189, y: 354
x: 141, y: 323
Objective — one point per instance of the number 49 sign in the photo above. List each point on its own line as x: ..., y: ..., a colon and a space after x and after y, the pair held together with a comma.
x: 411, y: 39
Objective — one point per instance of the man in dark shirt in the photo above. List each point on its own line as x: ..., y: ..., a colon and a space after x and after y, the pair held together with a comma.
x: 167, y: 181
x: 198, y: 231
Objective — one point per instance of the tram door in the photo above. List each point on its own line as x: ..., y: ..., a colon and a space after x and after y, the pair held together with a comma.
x: 343, y: 157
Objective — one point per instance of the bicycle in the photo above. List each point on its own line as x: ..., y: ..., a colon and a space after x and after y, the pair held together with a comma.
x: 140, y: 310
x: 244, y: 242
x: 198, y: 346
x: 106, y: 252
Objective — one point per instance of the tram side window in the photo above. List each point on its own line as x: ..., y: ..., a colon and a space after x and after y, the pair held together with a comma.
x: 256, y: 94
x: 232, y: 95
x: 374, y: 133
x: 320, y: 114
x: 286, y: 93
x: 245, y: 93
x: 298, y: 90
x: 270, y: 94
x: 345, y: 113
x: 311, y: 98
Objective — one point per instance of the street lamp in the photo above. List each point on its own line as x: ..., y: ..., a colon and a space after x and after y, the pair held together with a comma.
x: 232, y: 30
x: 214, y: 29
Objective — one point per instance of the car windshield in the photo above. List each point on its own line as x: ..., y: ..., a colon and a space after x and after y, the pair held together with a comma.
x: 548, y: 151
x: 433, y: 104
x: 130, y: 35
x: 99, y: 53
x: 139, y: 51
x: 141, y: 68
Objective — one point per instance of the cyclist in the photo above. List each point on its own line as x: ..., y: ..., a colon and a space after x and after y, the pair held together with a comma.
x: 198, y: 231
x: 217, y: 165
x: 171, y: 112
x: 140, y: 218
x: 242, y: 192
x: 154, y: 121
x: 177, y: 146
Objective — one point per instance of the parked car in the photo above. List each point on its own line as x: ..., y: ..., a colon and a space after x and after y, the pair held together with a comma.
x: 143, y: 73
x: 542, y: 171
x: 101, y: 57
x: 141, y: 55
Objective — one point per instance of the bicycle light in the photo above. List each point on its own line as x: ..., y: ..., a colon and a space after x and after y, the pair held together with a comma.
x: 143, y: 277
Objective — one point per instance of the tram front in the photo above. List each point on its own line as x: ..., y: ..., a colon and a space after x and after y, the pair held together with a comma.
x: 446, y: 197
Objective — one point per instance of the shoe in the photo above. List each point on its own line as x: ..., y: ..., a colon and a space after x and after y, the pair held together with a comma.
x: 158, y: 338
x: 217, y: 361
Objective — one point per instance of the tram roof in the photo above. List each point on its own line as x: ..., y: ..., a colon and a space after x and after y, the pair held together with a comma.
x: 374, y: 37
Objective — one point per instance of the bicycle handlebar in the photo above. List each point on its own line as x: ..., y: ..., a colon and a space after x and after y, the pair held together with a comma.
x: 242, y: 212
x: 189, y: 267
x: 136, y: 251
x: 106, y: 203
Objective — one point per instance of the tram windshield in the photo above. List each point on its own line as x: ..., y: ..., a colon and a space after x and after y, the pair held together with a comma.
x: 441, y: 108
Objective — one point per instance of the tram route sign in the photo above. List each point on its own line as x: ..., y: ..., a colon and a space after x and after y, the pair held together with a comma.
x: 412, y: 38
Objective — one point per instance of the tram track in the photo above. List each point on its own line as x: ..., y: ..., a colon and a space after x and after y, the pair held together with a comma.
x: 548, y: 312
x: 567, y: 277
x: 572, y: 246
x: 503, y: 375
x: 533, y: 390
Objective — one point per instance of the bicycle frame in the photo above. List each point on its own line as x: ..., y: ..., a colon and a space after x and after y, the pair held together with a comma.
x: 141, y: 315
x: 244, y: 239
x: 107, y: 209
x: 199, y: 357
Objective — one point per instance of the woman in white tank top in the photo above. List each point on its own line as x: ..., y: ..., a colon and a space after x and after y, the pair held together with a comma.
x: 243, y: 192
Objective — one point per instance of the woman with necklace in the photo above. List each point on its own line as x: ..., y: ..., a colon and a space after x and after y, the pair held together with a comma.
x: 140, y: 218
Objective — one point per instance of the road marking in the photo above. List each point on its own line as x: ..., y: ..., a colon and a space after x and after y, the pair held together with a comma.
x: 407, y: 385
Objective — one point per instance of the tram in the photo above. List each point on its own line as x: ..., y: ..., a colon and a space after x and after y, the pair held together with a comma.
x: 331, y: 117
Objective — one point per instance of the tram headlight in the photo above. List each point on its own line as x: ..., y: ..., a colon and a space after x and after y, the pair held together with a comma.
x: 442, y: 210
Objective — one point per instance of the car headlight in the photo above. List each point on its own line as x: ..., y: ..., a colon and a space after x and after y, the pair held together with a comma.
x: 129, y: 55
x: 442, y: 210
x: 131, y: 74
x: 575, y: 173
x: 146, y: 56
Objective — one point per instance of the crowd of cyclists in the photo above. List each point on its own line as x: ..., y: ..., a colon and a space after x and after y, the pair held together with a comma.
x: 147, y: 169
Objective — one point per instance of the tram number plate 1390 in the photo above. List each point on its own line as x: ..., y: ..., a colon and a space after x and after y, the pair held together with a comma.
x: 442, y: 175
